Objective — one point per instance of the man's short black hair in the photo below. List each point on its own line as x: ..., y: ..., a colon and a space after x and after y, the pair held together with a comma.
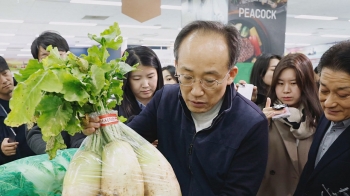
x: 48, y: 38
x: 3, y: 64
x: 336, y: 58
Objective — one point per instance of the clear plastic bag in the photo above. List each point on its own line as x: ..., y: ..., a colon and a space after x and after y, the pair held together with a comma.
x: 117, y: 161
x: 35, y: 175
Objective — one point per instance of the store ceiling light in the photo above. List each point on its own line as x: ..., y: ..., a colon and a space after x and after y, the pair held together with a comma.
x: 97, y: 2
x: 303, y: 44
x: 2, y: 49
x: 296, y: 44
x: 155, y: 39
x: 6, y: 34
x: 11, y: 21
x: 336, y: 36
x: 2, y: 44
x: 299, y: 34
x: 24, y: 55
x: 171, y: 7
x: 83, y: 45
x: 92, y: 2
x: 72, y: 23
x: 140, y: 26
x: 315, y: 17
x: 68, y: 36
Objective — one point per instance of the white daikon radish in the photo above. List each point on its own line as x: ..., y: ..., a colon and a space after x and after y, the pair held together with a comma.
x: 158, y: 175
x: 121, y: 172
x: 83, y: 177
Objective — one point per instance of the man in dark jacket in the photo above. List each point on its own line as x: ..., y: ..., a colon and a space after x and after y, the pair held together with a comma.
x: 327, y: 171
x: 13, y: 141
x: 214, y: 138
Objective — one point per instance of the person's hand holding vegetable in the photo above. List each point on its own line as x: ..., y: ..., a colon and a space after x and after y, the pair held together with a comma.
x: 90, y: 125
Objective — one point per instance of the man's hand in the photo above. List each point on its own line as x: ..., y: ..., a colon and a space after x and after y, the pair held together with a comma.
x: 155, y: 143
x: 90, y: 125
x: 7, y: 148
x: 255, y: 90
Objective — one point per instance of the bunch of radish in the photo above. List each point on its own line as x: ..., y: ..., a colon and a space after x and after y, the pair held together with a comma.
x: 118, y: 161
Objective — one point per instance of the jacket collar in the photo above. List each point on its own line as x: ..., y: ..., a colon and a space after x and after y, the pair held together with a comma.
x: 339, y: 146
x: 230, y: 93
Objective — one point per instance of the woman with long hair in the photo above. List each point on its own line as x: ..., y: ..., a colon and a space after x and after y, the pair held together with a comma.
x: 169, y: 75
x: 261, y: 76
x: 290, y: 137
x: 140, y: 85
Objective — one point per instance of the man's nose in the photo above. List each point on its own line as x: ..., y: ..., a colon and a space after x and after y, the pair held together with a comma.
x: 197, y: 89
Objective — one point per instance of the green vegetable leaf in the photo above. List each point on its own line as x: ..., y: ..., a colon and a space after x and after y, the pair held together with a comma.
x: 116, y: 90
x: 125, y: 68
x: 54, y: 115
x: 54, y: 60
x: 27, y: 95
x: 94, y: 56
x: 76, y: 73
x: 109, y: 38
x: 53, y: 144
x: 73, y: 125
x: 83, y: 64
x: 73, y: 88
x: 122, y: 119
x: 111, y: 104
x: 98, y: 79
x: 32, y: 67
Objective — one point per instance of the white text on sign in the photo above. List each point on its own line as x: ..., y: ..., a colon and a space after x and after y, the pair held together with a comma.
x: 257, y: 13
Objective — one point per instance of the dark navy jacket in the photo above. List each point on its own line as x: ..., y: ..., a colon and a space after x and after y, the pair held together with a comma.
x: 228, y: 158
x: 23, y: 149
x: 332, y: 171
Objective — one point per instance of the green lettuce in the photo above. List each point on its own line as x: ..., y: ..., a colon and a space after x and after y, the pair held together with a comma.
x: 58, y: 92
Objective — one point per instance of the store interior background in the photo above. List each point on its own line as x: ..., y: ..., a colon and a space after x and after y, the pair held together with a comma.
x: 21, y: 21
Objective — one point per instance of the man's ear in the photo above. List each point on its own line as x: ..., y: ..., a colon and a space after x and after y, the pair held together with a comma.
x: 232, y: 75
x: 176, y: 66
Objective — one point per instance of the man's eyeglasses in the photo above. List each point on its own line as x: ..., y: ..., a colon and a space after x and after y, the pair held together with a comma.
x: 188, y: 80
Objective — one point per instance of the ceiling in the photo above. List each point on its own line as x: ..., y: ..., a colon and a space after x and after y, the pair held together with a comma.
x: 15, y: 38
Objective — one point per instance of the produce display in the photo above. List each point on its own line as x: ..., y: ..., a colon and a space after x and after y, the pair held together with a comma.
x: 63, y: 93
x: 35, y: 175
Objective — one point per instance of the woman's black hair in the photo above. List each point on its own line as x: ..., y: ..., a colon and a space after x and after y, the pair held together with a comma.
x: 145, y: 56
x: 171, y: 70
x: 259, y: 70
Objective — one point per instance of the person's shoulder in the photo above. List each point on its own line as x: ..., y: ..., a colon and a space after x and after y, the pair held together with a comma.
x: 248, y: 108
x: 169, y: 91
x: 171, y: 88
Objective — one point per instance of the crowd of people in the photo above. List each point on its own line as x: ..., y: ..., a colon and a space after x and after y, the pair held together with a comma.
x: 291, y: 138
